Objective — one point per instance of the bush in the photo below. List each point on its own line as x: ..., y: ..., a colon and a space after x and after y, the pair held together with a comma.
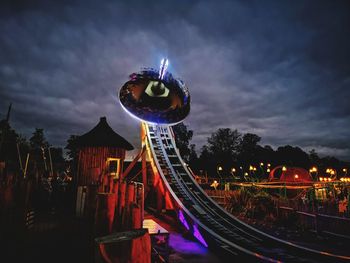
x: 260, y: 206
x: 251, y: 202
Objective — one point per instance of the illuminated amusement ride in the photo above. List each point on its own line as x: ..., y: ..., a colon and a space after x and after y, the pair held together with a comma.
x: 159, y: 101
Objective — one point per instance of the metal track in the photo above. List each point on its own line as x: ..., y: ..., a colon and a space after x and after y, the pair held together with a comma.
x: 220, y: 229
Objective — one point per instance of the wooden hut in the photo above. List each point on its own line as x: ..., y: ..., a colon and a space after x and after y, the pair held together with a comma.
x: 101, y: 151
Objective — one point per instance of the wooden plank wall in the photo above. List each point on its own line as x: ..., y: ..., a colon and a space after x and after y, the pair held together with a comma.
x: 92, y: 161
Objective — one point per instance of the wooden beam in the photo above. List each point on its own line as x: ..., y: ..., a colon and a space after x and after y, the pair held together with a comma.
x: 132, y: 164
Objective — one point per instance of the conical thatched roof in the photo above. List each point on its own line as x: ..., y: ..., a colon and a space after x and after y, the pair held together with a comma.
x: 102, y: 135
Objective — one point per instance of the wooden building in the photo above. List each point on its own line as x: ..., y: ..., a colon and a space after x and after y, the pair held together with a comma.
x: 101, y: 151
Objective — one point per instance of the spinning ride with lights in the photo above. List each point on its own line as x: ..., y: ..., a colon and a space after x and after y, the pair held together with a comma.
x: 156, y: 96
x: 159, y: 100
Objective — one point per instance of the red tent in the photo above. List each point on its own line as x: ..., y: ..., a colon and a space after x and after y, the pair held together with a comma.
x: 291, y: 174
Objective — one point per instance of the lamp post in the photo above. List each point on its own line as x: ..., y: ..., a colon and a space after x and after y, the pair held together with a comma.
x: 262, y: 169
x: 233, y: 173
x: 345, y: 171
x: 313, y: 172
x: 251, y: 169
x: 332, y: 173
x: 219, y: 170
x: 246, y: 176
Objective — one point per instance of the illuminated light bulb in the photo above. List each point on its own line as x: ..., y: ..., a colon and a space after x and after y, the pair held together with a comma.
x: 261, y: 164
x: 296, y: 176
x: 321, y: 179
x: 284, y: 168
x: 268, y: 170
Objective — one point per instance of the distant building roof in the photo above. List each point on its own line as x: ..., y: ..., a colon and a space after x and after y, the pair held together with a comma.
x: 102, y: 135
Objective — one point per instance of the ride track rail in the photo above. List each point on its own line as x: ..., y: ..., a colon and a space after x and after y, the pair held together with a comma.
x: 209, y: 222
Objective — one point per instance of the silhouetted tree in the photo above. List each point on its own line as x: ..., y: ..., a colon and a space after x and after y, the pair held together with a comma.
x: 183, y: 136
x: 193, y: 159
x: 267, y: 155
x: 72, y: 153
x: 71, y: 147
x: 39, y: 146
x: 314, y: 158
x: 223, y: 146
x: 8, y: 139
x: 38, y: 141
x: 205, y: 159
x: 248, y: 149
x: 293, y: 156
x: 57, y: 159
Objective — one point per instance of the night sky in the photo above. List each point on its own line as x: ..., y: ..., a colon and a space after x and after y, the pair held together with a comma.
x: 280, y: 69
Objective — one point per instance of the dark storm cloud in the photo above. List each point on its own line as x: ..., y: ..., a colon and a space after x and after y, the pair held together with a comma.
x: 278, y: 69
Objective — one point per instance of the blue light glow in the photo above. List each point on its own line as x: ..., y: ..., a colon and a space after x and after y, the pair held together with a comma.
x: 163, y: 67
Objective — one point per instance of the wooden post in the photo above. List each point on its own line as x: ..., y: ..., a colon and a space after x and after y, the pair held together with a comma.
x: 104, y: 215
x: 19, y: 158
x: 44, y: 157
x: 160, y: 201
x: 136, y: 221
x: 116, y: 221
x: 121, y: 205
x: 144, y: 171
x: 130, y: 199
x: 50, y: 159
x: 26, y: 166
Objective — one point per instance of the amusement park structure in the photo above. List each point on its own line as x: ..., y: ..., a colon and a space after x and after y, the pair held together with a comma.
x: 159, y: 101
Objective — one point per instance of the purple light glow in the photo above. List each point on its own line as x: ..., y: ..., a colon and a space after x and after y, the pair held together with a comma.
x: 183, y: 220
x: 198, y: 235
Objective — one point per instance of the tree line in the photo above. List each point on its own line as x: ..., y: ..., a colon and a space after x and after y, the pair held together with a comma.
x: 225, y: 148
x: 43, y: 158
x: 234, y: 151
